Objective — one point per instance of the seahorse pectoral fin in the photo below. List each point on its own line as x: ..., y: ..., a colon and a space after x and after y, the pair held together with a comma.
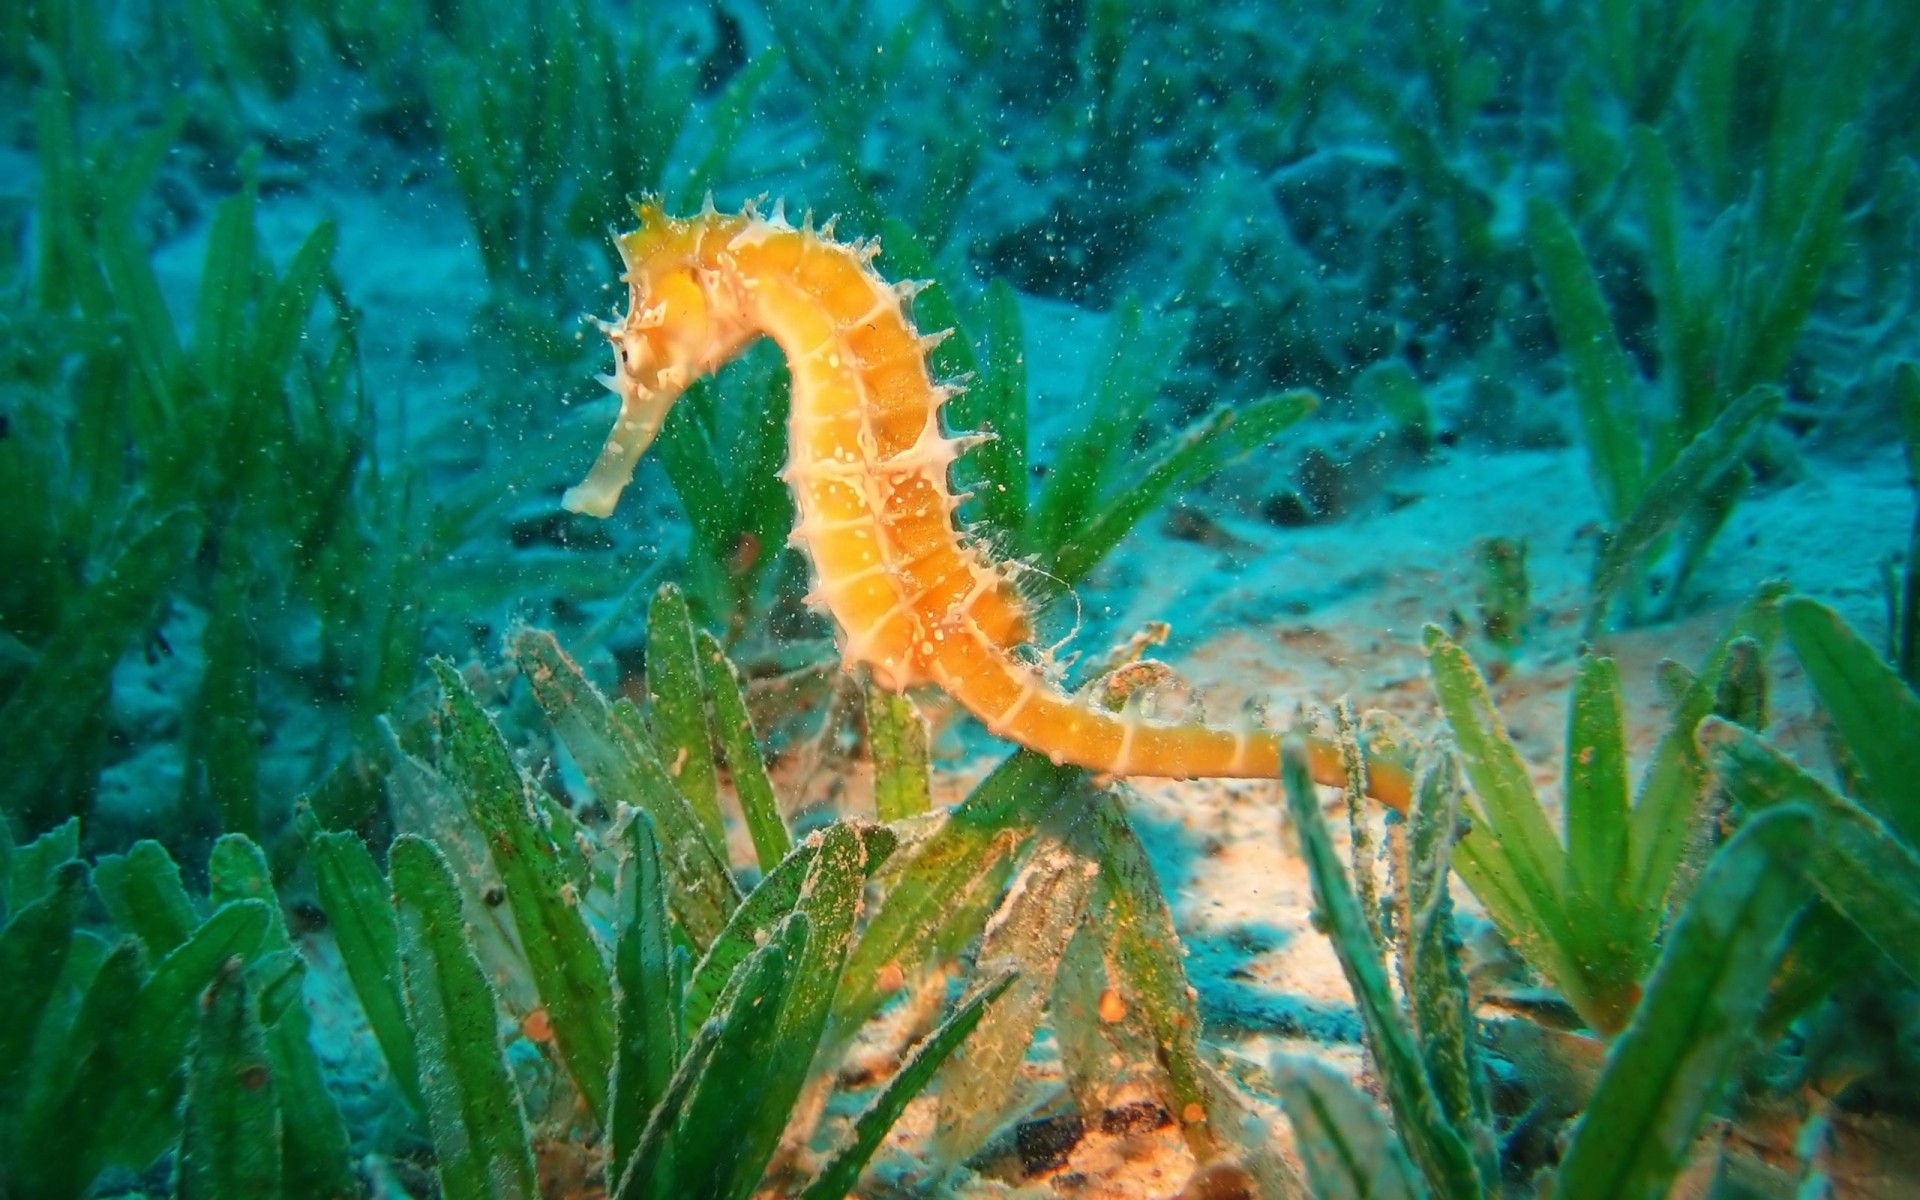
x: 642, y: 413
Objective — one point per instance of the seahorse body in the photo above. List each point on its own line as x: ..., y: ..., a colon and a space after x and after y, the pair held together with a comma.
x: 914, y: 600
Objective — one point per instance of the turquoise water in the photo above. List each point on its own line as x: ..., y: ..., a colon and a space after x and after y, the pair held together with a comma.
x: 1555, y: 326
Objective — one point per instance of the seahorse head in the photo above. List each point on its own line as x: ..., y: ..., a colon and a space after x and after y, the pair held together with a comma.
x: 682, y: 321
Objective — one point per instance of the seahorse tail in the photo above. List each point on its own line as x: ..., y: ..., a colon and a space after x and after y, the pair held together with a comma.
x: 1016, y: 702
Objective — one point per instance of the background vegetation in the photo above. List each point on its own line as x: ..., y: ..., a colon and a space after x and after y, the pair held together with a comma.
x: 256, y: 512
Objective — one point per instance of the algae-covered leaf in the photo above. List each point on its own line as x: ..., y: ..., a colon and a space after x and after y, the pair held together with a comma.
x: 1663, y: 811
x: 1511, y: 858
x: 33, y: 950
x: 1444, y: 1157
x: 1696, y: 1016
x: 1103, y: 1060
x: 830, y: 903
x: 613, y: 748
x: 733, y: 728
x: 472, y: 1108
x: 1027, y: 935
x: 747, y: 929
x: 677, y: 711
x: 1596, y: 787
x: 646, y: 1004
x: 731, y: 1098
x: 1436, y: 985
x: 943, y: 877
x: 897, y: 740
x: 63, y: 1126
x: 568, y: 969
x: 1858, y: 864
x: 1349, y: 1152
x: 1145, y: 955
x: 831, y: 900
x: 655, y: 1161
x: 358, y: 904
x: 237, y: 870
x: 871, y: 1127
x: 230, y: 1140
x: 314, y: 1154
x: 145, y: 1118
x: 37, y: 865
x: 1875, y: 712
x: 1135, y: 931
x: 762, y: 911
x: 649, y: 1170
x: 142, y: 892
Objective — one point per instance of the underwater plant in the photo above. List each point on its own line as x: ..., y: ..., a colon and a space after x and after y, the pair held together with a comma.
x: 178, y: 1026
x: 1701, y: 1002
x: 1737, y: 900
x: 662, y: 994
x: 1588, y: 915
x: 1780, y: 135
x: 595, y: 959
x: 234, y: 467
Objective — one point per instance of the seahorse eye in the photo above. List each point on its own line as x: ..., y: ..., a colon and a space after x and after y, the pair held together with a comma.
x: 636, y: 353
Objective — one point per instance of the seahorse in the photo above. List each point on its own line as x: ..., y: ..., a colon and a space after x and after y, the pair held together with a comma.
x: 915, y: 600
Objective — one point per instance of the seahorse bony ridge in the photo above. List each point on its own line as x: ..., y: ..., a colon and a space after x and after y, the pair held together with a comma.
x: 913, y: 599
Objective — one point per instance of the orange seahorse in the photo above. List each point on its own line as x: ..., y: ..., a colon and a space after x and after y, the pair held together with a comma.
x: 915, y: 601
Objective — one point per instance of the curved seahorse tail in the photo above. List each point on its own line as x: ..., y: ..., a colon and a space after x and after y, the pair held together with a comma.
x: 1017, y: 703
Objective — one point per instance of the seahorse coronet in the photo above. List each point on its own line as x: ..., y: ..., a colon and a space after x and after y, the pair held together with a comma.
x: 915, y: 599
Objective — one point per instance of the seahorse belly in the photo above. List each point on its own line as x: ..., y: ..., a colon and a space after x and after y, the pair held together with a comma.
x: 913, y: 601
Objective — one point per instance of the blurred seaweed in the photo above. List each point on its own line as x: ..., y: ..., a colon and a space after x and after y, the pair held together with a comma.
x: 178, y: 1027
x: 234, y: 469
